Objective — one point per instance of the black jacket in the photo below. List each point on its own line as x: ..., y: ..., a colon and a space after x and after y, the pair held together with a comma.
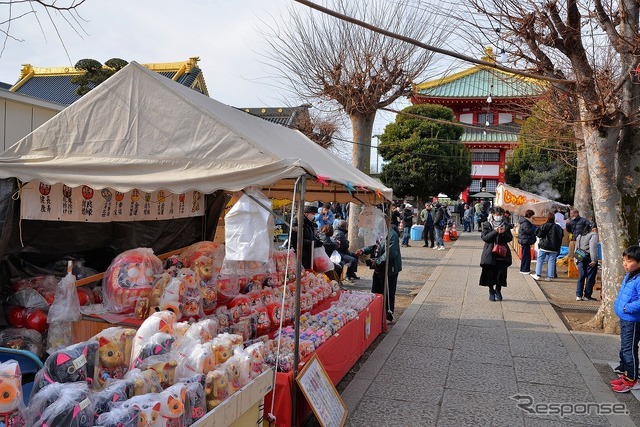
x: 309, y: 240
x: 526, y: 232
x: 441, y: 215
x: 577, y: 225
x: 550, y: 235
x: 490, y: 237
x: 341, y: 237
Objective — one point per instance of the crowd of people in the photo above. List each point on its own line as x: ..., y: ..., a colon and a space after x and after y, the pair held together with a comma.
x: 325, y: 227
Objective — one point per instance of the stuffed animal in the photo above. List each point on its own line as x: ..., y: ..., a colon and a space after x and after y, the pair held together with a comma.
x: 172, y: 400
x: 128, y: 278
x: 159, y: 285
x: 11, y: 403
x: 114, y: 353
x: 71, y: 364
x: 216, y: 388
x: 197, y: 359
x: 162, y: 321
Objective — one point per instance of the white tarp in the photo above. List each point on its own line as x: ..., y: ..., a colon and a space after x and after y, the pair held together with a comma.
x: 140, y: 130
x: 519, y: 201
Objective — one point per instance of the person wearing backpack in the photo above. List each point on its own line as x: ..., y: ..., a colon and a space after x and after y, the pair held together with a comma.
x: 586, y: 258
x: 550, y: 235
x: 440, y: 223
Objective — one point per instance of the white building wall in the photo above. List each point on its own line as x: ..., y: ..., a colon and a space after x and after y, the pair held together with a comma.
x: 20, y: 115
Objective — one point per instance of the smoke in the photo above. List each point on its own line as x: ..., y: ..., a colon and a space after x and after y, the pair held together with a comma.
x: 545, y: 189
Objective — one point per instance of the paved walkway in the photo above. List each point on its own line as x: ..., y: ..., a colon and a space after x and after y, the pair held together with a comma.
x: 456, y: 359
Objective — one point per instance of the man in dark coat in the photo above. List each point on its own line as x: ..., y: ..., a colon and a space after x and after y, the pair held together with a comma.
x: 577, y: 224
x: 309, y: 239
x: 427, y: 220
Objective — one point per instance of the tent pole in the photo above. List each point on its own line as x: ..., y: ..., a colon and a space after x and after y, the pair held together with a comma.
x: 296, y: 342
x: 386, y: 265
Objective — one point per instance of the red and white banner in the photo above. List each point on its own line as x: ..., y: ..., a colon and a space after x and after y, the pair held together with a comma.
x: 59, y: 202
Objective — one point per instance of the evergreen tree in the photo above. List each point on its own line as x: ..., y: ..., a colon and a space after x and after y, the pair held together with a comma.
x: 425, y: 157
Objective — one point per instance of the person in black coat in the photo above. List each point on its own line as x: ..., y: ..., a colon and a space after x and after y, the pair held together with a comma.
x: 526, y: 238
x: 550, y: 235
x: 495, y: 231
x: 309, y: 239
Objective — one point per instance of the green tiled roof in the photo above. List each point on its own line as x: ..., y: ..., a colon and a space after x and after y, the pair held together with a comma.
x: 507, y: 133
x: 479, y: 82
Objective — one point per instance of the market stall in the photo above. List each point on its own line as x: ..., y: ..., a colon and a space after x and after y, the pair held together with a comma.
x: 133, y: 163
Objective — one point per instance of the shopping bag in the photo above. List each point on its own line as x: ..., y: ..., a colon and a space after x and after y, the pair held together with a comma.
x: 321, y: 261
x: 335, y: 257
x: 500, y: 250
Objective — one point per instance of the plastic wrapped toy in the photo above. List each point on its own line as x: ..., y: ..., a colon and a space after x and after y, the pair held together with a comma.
x: 164, y: 367
x: 144, y: 381
x: 195, y: 403
x: 227, y: 287
x: 148, y: 406
x: 237, y: 371
x: 192, y: 296
x: 11, y: 403
x: 162, y: 321
x: 114, y: 353
x: 212, y: 250
x: 120, y: 417
x: 72, y: 364
x: 62, y: 405
x: 216, y: 388
x: 128, y: 278
x: 22, y: 339
x: 196, y: 359
x: 172, y: 405
x: 114, y: 391
x: 158, y: 345
x: 256, y: 353
x: 222, y: 349
x: 204, y: 330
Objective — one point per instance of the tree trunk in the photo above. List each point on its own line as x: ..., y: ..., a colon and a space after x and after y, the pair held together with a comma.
x: 355, y: 242
x: 601, y: 157
x: 362, y: 127
x: 582, y: 199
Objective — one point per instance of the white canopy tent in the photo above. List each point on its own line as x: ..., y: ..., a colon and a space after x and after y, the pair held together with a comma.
x: 142, y: 130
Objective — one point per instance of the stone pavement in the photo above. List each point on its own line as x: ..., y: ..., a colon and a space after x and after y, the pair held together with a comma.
x: 454, y: 358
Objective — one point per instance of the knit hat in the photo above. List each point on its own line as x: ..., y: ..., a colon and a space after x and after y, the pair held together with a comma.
x: 310, y: 208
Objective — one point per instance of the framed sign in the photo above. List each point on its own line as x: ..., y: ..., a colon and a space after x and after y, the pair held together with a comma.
x: 321, y: 394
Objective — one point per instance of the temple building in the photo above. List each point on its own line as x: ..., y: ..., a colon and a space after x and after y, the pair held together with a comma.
x: 491, y: 104
x: 54, y: 84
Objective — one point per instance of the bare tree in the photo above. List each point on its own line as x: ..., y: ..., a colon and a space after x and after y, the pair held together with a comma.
x: 596, y: 44
x: 323, y: 58
x: 57, y: 12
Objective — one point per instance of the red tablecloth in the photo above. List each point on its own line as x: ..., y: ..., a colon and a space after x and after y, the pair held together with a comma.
x: 338, y: 354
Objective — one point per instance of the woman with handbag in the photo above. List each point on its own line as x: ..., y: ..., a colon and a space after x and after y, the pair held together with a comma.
x: 496, y: 256
x: 586, y: 259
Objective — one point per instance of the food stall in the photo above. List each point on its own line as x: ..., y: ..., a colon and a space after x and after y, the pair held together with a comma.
x: 143, y: 162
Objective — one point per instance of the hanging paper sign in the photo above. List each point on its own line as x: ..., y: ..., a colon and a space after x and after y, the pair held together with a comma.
x: 519, y: 201
x: 59, y: 202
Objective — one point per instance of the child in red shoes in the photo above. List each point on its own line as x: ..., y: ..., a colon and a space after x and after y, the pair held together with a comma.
x: 627, y: 307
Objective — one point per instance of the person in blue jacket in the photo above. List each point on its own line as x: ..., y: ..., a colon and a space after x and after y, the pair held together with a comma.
x: 627, y: 307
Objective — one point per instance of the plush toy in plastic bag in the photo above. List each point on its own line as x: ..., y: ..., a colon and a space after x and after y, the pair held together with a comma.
x: 72, y: 364
x: 217, y: 388
x: 164, y: 366
x: 129, y: 278
x: 212, y: 250
x: 22, y: 339
x: 321, y: 262
x: 144, y: 381
x: 158, y: 344
x: 248, y: 229
x: 195, y: 359
x: 114, y: 353
x: 11, y: 404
